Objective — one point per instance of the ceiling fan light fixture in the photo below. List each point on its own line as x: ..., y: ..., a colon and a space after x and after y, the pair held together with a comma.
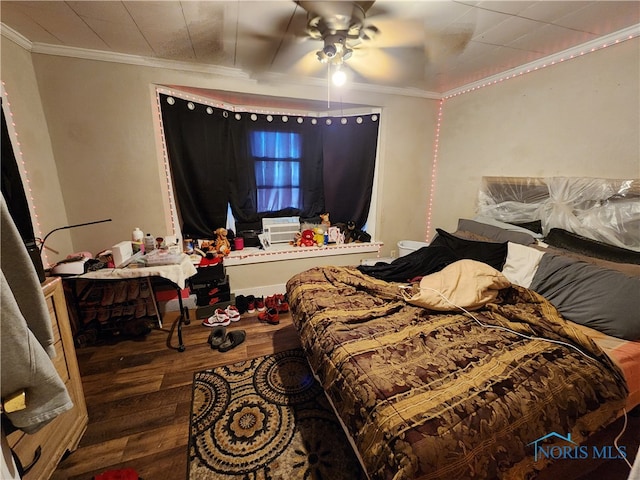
x: 339, y: 77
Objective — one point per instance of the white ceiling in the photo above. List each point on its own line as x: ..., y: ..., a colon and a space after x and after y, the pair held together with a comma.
x: 434, y: 46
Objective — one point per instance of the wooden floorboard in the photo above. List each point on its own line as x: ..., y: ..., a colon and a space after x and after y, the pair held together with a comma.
x: 138, y: 395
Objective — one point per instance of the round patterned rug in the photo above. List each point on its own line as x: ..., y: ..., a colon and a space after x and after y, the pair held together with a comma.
x: 266, y: 419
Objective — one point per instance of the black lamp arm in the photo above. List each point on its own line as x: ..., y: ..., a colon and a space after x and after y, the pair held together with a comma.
x: 69, y: 226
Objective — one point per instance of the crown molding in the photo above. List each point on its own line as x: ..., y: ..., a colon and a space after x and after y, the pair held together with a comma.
x: 560, y: 57
x: 139, y: 60
x: 15, y: 37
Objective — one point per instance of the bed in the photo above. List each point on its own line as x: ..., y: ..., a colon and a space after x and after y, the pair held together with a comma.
x: 430, y: 392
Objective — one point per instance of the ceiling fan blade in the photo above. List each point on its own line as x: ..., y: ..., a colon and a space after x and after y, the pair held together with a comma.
x: 307, y: 66
x: 397, y: 66
x: 396, y: 33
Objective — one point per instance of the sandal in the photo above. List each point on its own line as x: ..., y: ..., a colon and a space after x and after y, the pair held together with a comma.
x: 217, y: 337
x: 234, y: 338
x: 218, y: 319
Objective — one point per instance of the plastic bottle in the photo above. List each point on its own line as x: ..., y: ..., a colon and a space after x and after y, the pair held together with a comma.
x: 149, y: 243
x: 137, y: 239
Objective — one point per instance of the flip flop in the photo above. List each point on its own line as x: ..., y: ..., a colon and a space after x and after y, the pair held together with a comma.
x: 234, y: 338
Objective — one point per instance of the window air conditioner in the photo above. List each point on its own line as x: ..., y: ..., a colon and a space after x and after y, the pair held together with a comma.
x: 281, y: 230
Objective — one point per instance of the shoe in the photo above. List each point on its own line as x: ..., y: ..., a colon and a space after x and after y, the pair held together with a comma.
x: 270, y: 315
x: 281, y: 303
x: 241, y: 304
x: 260, y: 304
x: 251, y: 304
x: 214, y: 300
x: 233, y: 313
x: 213, y: 291
x: 270, y: 302
x: 218, y: 319
x: 217, y: 337
x: 234, y: 338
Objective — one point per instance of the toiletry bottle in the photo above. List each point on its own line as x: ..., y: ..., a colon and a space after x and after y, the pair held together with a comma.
x: 149, y: 243
x: 137, y: 239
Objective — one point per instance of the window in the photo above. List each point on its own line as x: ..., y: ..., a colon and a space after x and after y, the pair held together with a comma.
x: 277, y: 158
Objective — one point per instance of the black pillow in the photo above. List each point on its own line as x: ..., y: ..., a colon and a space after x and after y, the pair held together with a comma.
x: 534, y: 225
x: 586, y: 246
x: 494, y: 254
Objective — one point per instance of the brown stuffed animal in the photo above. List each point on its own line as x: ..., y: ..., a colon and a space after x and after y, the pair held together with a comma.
x: 324, y: 217
x: 223, y: 247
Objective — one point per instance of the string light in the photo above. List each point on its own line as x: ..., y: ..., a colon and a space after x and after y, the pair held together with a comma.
x: 434, y: 169
x: 23, y: 166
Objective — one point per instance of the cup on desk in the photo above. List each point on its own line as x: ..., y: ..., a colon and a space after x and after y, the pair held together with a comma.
x: 238, y: 243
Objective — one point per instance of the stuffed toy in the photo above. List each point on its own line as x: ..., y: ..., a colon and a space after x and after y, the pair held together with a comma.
x: 353, y: 234
x: 222, y: 246
x: 318, y: 235
x: 324, y: 217
x: 307, y: 238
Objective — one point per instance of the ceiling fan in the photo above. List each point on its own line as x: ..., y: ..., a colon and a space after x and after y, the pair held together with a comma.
x: 336, y: 24
x: 378, y: 41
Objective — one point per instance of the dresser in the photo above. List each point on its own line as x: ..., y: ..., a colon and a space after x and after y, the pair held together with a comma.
x: 65, y: 431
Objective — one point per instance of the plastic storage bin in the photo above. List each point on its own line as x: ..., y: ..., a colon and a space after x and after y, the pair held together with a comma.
x: 405, y: 247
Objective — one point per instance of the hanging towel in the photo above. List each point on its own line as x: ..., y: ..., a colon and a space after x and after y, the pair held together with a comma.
x: 26, y: 345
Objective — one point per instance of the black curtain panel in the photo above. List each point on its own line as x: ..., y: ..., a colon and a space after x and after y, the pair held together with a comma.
x: 243, y: 184
x: 197, y: 139
x: 349, y: 152
x: 12, y: 188
x: 266, y: 165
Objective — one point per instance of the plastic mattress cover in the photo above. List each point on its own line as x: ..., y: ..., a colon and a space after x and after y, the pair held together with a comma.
x: 605, y: 210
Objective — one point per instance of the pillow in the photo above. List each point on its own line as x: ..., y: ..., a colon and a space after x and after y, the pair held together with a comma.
x: 534, y: 226
x: 600, y: 298
x: 465, y: 283
x: 506, y: 226
x: 495, y: 233
x: 521, y: 264
x: 577, y: 243
x: 491, y: 253
x: 629, y: 269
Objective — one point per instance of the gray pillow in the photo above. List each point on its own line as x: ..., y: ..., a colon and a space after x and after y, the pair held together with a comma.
x: 495, y: 233
x: 600, y: 298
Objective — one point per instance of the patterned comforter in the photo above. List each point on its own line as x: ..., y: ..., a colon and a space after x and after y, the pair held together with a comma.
x: 429, y: 395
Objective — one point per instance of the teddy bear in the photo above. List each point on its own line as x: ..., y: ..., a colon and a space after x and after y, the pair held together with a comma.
x: 307, y: 238
x: 222, y: 245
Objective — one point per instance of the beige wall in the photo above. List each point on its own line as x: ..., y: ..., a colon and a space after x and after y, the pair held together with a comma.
x: 577, y: 118
x: 30, y: 124
x: 100, y: 120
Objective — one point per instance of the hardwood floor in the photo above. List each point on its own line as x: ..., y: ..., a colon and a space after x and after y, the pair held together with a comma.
x: 139, y: 395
